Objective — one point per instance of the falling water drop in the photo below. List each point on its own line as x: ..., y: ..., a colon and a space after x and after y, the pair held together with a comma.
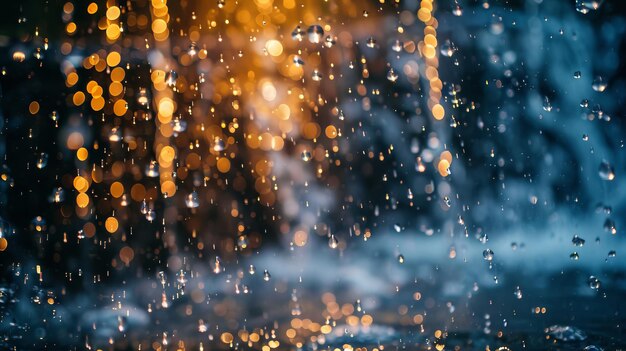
x: 488, y: 254
x: 584, y: 103
x: 217, y: 265
x: 58, y: 195
x: 193, y: 49
x: 392, y: 76
x: 42, y: 160
x: 609, y: 226
x: 151, y: 215
x: 192, y: 200
x: 397, y: 46
x: 447, y: 48
x: 547, y: 106
x: 457, y: 10
x: 599, y: 84
x: 297, y: 34
x: 142, y: 97
x: 179, y: 125
x: 593, y: 282
x: 330, y: 41
x: 298, y: 61
x: 518, y: 293
x: 316, y: 75
x: 578, y: 241
x: 219, y: 144
x: 170, y: 78
x: 315, y: 33
x: 333, y: 243
x: 152, y: 169
x: 606, y: 171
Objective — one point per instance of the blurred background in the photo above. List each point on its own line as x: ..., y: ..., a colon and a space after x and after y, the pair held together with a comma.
x: 312, y: 175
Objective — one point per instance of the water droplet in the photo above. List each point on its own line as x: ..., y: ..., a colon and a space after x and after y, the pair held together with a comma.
x: 142, y: 97
x: 54, y: 115
x: 266, y: 275
x: 593, y: 282
x: 298, y: 61
x: 483, y: 238
x: 192, y: 200
x: 179, y: 125
x: 170, y: 78
x: 152, y: 169
x: 330, y: 41
x: 392, y: 76
x: 193, y: 49
x: 457, y: 10
x: 115, y: 134
x: 599, y: 84
x: 151, y: 215
x: 202, y: 327
x: 217, y: 265
x: 488, y: 254
x: 547, y: 106
x: 297, y: 34
x: 518, y: 293
x: 315, y: 33
x: 306, y: 156
x: 609, y: 226
x: 58, y: 195
x: 42, y: 160
x: 581, y: 8
x: 219, y: 144
x: 316, y: 75
x: 333, y: 243
x: 606, y: 171
x: 400, y: 259
x: 577, y: 74
x: 397, y: 46
x: 578, y: 241
x: 574, y: 256
x: 447, y: 48
x: 584, y: 103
